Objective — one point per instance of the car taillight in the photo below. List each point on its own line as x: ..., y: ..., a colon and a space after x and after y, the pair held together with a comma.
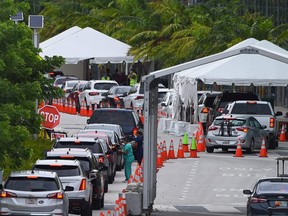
x: 58, y: 195
x: 211, y: 128
x: 116, y: 99
x: 272, y: 123
x: 134, y: 131
x: 101, y: 159
x: 139, y: 98
x: 6, y: 194
x: 205, y: 110
x: 93, y: 93
x: 83, y: 185
x: 257, y: 200
x: 243, y: 129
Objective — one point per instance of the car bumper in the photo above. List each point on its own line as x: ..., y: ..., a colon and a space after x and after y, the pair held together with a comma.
x: 225, y: 143
x: 94, y: 100
x: 6, y: 211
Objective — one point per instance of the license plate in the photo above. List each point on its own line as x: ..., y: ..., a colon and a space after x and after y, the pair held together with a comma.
x: 31, y: 201
x: 225, y: 142
x: 281, y: 203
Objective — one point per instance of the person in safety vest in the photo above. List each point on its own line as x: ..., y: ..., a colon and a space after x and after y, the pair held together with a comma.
x: 132, y: 76
x: 106, y: 76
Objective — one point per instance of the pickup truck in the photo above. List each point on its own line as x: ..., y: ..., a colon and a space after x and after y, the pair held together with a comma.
x: 262, y: 111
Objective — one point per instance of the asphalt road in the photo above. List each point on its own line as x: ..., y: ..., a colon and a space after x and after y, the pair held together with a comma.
x: 211, y: 184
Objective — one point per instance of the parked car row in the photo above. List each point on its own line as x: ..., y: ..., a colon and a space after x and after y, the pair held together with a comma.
x: 72, y: 178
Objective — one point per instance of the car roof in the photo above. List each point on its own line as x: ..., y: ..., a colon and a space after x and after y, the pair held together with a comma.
x: 40, y: 173
x: 104, y: 124
x: 103, y: 81
x: 58, y: 162
x: 77, y: 152
x: 73, y: 139
x: 251, y: 101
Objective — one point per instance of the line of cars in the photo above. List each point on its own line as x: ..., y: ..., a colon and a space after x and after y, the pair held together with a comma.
x: 85, y: 164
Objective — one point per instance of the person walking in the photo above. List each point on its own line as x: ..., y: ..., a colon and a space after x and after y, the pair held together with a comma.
x: 132, y: 76
x: 128, y: 158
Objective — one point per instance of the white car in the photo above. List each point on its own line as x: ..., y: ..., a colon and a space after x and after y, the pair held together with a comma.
x: 71, y: 174
x: 135, y: 97
x: 166, y: 105
x: 91, y: 94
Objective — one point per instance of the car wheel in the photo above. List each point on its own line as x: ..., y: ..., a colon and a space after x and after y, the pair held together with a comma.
x: 102, y: 202
x: 111, y: 178
x: 252, y: 146
x: 87, y: 210
x: 209, y: 149
x: 272, y: 142
x: 96, y: 204
x: 106, y: 186
x: 118, y: 168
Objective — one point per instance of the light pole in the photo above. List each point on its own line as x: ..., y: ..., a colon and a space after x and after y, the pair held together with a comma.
x: 36, y: 22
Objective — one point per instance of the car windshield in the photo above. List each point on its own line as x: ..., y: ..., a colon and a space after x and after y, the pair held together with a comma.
x: 62, y: 171
x: 113, y: 117
x: 232, y: 122
x: 94, y: 147
x: 104, y: 86
x: 71, y: 84
x: 272, y: 187
x: 31, y: 184
x: 122, y: 90
x: 61, y: 81
x: 251, y: 108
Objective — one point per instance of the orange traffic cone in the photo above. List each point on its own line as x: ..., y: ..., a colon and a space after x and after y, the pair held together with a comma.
x: 109, y: 213
x: 238, y: 152
x: 185, y: 143
x: 282, y: 136
x: 131, y: 179
x: 171, y: 154
x: 83, y: 110
x: 200, y: 142
x: 164, y: 151
x: 263, y: 150
x: 180, y: 153
x: 159, y: 158
x: 193, y: 149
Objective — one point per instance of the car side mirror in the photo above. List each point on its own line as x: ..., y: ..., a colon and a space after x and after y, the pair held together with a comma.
x: 105, y: 94
x: 225, y: 112
x: 88, y: 121
x: 125, y: 94
x: 163, y: 104
x: 263, y: 126
x: 279, y: 113
x: 247, y: 192
x: 1, y: 186
x: 69, y: 188
x: 104, y: 168
x: 92, y: 175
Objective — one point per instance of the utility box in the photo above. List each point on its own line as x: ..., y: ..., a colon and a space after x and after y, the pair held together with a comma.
x: 134, y: 203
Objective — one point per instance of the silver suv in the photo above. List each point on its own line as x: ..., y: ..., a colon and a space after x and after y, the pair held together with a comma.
x: 34, y: 193
x: 71, y: 174
x: 90, y: 165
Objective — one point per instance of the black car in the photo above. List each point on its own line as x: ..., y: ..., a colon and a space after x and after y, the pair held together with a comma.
x: 268, y: 197
x: 222, y: 100
x: 127, y: 119
x: 97, y: 146
x: 114, y: 97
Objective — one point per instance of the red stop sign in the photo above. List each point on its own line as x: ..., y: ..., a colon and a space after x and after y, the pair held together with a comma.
x: 51, y: 116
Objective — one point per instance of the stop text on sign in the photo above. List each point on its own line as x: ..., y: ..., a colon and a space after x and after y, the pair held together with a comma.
x: 50, y: 117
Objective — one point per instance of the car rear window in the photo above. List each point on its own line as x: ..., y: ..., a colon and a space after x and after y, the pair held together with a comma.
x: 232, y: 122
x: 31, y: 184
x: 112, y: 117
x: 104, y: 86
x: 62, y: 171
x: 94, y: 147
x: 272, y: 187
x: 251, y: 108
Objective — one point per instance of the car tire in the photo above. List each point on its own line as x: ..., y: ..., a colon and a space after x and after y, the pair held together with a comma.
x: 106, y: 186
x: 102, y: 202
x: 118, y: 168
x: 210, y: 149
x: 251, y: 149
x: 273, y: 142
x: 111, y: 178
x: 87, y: 210
x: 97, y: 204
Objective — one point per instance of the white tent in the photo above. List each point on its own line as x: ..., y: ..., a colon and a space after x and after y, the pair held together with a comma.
x: 260, y: 63
x: 77, y: 44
